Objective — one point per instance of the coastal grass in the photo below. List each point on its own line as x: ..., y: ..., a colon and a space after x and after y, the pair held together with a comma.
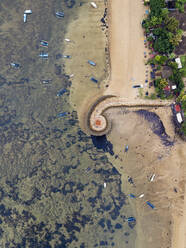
x: 141, y: 92
x: 152, y: 96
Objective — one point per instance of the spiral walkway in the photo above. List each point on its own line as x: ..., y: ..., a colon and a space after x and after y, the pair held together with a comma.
x: 97, y: 122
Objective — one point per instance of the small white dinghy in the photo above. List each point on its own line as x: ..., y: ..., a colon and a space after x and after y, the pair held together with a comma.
x: 68, y: 40
x: 93, y: 4
x: 141, y: 196
x: 152, y: 178
x: 28, y: 11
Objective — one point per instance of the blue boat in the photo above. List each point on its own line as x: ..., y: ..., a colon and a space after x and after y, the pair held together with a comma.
x: 94, y: 80
x: 43, y: 55
x: 59, y: 14
x: 62, y: 114
x: 91, y: 62
x: 61, y: 92
x: 43, y: 43
x: 15, y: 65
x: 150, y: 204
x: 130, y: 219
x: 126, y: 148
x: 152, y: 74
x: 132, y: 196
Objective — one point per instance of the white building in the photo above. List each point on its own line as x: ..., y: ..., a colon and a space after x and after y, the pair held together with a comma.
x: 179, y: 118
x: 178, y: 61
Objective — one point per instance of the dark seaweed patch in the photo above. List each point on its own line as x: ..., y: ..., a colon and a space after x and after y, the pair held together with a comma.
x: 1, y: 194
x: 103, y: 243
x: 115, y: 213
x: 115, y: 171
x: 102, y: 222
x: 20, y: 82
x: 109, y: 224
x: 2, y: 81
x: 80, y: 187
x: 57, y: 69
x: 4, y: 212
x: 68, y: 188
x: 58, y: 226
x: 118, y: 226
x: 70, y: 3
x: 58, y: 56
x: 132, y: 224
x: 74, y: 199
x: 92, y: 200
x: 126, y: 233
x: 106, y: 207
x: 156, y: 126
x: 101, y: 142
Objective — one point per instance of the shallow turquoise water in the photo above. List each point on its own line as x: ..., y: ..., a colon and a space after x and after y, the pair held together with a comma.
x: 51, y: 174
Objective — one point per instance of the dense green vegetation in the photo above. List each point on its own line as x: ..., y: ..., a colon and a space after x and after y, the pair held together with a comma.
x: 163, y: 34
x: 180, y: 5
x: 160, y: 84
x: 156, y: 7
x: 182, y: 100
x: 176, y: 77
x: 163, y: 31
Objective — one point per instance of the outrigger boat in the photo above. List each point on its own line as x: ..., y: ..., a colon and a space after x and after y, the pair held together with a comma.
x: 44, y: 43
x: 59, y: 14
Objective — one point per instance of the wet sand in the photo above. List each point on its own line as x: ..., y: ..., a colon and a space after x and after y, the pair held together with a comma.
x: 88, y: 42
x: 147, y: 156
x: 163, y: 226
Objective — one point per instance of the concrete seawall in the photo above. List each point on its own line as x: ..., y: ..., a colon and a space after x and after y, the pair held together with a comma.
x: 96, y: 121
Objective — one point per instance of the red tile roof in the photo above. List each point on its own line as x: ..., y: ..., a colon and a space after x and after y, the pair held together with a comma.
x: 177, y: 108
x: 167, y: 88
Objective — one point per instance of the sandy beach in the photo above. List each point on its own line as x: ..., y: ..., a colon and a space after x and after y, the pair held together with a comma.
x: 163, y: 226
x: 126, y: 46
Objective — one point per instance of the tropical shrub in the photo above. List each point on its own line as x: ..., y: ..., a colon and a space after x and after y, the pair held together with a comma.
x: 160, y: 59
x: 171, y: 23
x: 180, y: 5
x: 156, y: 7
x: 176, y: 78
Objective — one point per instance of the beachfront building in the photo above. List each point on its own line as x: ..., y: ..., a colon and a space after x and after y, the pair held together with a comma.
x: 178, y: 61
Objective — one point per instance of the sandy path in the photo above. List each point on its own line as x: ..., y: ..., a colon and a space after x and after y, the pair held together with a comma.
x: 126, y: 47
